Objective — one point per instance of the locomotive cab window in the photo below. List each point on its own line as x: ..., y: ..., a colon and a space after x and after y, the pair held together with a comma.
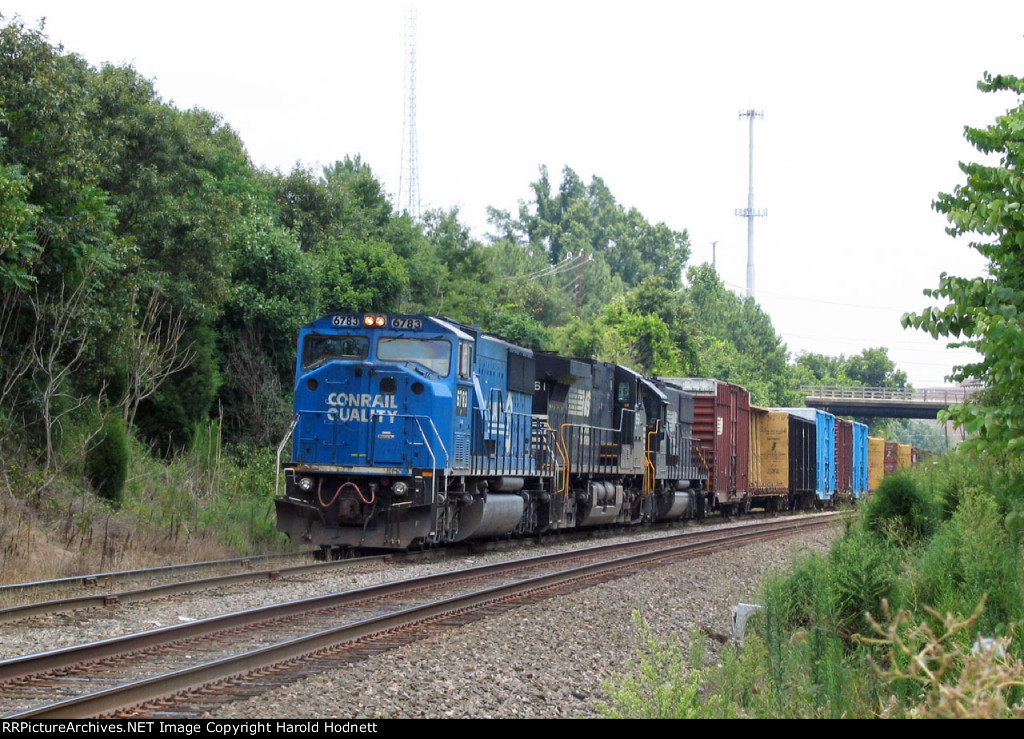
x: 433, y: 354
x: 465, y: 360
x: 623, y: 393
x: 319, y: 349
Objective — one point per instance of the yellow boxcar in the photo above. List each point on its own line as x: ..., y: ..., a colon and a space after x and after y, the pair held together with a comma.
x: 876, y: 462
x: 906, y: 456
x: 769, y: 456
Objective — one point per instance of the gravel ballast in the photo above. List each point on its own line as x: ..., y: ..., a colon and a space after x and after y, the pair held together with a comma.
x: 545, y: 659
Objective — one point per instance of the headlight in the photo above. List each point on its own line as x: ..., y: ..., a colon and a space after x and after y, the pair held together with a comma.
x: 399, y: 488
x: 306, y: 484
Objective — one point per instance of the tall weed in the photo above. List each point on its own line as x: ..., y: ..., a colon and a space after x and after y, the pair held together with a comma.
x: 207, y: 493
x: 972, y: 556
x: 664, y: 683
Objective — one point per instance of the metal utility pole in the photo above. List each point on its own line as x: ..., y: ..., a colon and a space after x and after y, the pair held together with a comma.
x: 409, y: 179
x: 749, y: 213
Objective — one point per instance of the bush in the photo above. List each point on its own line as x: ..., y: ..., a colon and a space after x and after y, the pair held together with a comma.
x: 900, y: 508
x: 933, y: 675
x: 969, y: 558
x: 863, y: 572
x: 803, y: 634
x: 106, y: 464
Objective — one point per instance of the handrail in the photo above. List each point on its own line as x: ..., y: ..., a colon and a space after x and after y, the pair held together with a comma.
x: 433, y: 459
x: 280, y: 448
x: 650, y: 468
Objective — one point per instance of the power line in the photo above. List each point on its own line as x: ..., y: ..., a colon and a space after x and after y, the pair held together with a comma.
x: 817, y: 301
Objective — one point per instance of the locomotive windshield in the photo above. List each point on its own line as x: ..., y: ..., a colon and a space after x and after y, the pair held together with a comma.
x: 319, y: 349
x: 433, y: 354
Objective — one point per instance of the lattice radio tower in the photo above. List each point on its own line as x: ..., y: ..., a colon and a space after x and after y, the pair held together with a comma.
x: 409, y: 179
x: 749, y: 213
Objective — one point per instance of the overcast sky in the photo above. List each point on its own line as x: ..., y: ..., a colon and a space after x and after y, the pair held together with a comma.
x: 864, y: 107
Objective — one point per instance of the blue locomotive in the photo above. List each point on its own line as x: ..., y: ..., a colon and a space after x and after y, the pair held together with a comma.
x: 413, y: 430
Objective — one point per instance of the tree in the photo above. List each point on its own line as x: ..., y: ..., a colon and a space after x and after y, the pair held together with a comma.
x: 153, y: 351
x: 60, y: 255
x: 586, y: 218
x: 738, y: 342
x: 870, y: 368
x: 17, y: 216
x: 984, y: 313
x: 873, y: 368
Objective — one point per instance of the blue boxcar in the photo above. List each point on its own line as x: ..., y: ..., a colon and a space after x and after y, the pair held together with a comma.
x: 825, y: 451
x: 860, y: 460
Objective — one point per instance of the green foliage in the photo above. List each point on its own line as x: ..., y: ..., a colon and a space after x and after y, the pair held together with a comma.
x: 870, y: 368
x: 971, y: 557
x: 864, y: 571
x: 833, y: 593
x: 169, y: 417
x: 952, y: 477
x: 363, y: 276
x: 737, y: 342
x: 505, y: 321
x: 106, y: 464
x: 206, y: 492
x: 17, y: 217
x: 665, y: 684
x: 806, y: 675
x: 900, y: 507
x: 586, y: 218
x: 813, y: 641
x: 640, y: 341
x: 984, y: 312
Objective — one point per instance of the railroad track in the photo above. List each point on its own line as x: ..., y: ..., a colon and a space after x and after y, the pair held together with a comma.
x: 28, y: 592
x: 202, y: 662
x: 174, y: 587
x: 21, y: 601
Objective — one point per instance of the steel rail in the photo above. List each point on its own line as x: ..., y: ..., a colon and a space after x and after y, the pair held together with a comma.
x: 133, y: 693
x: 63, y: 605
x: 99, y: 578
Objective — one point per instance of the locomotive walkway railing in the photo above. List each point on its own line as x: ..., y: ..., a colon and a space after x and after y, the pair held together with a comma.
x: 885, y: 401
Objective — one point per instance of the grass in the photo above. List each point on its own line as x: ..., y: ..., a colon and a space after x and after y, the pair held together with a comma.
x: 206, y: 503
x: 883, y: 625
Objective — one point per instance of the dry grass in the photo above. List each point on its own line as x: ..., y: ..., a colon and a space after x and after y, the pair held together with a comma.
x: 82, y: 541
x: 951, y: 680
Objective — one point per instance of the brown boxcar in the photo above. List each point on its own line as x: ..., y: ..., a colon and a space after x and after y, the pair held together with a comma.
x: 721, y: 423
x: 892, y: 457
x: 844, y: 458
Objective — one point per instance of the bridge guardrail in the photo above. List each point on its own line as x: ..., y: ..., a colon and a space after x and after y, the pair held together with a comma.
x: 933, y: 395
